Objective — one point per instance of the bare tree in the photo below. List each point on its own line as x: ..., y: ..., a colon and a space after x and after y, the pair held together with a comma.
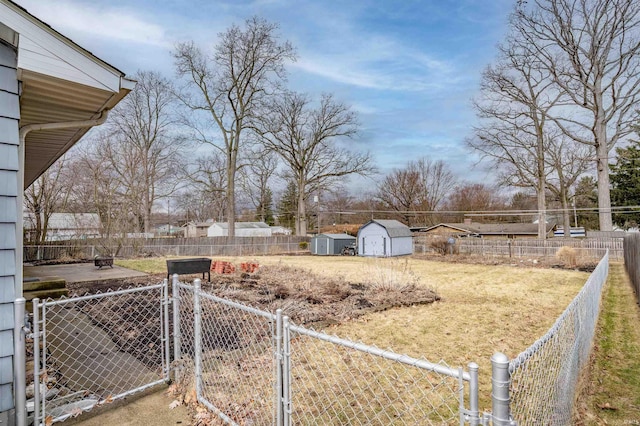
x: 438, y: 182
x: 208, y: 178
x: 308, y: 141
x: 143, y: 148
x: 255, y: 182
x: 402, y: 190
x: 474, y: 197
x: 569, y: 161
x: 226, y: 90
x: 47, y: 195
x: 591, y: 50
x: 420, y: 187
x: 516, y: 96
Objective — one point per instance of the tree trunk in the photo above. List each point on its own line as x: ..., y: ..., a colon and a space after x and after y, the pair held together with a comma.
x: 301, y: 218
x: 602, y: 164
x: 566, y: 214
x: 231, y: 201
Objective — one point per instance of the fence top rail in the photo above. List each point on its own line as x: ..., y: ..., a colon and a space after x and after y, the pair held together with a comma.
x: 387, y: 354
x: 531, y: 350
x: 231, y: 303
x: 72, y: 299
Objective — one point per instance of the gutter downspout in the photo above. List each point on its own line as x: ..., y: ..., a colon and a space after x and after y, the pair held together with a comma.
x: 19, y: 344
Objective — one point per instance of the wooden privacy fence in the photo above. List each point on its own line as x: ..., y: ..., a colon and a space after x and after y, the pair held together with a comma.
x: 632, y: 261
x: 586, y: 247
x: 134, y: 247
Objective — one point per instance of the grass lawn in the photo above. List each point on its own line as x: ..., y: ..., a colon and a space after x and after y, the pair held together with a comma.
x: 484, y: 309
x: 612, y: 396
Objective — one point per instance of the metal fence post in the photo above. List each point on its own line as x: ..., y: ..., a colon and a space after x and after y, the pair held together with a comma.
x: 19, y: 361
x: 36, y: 361
x: 500, y: 390
x: 197, y: 332
x: 278, y: 359
x: 166, y: 334
x: 474, y: 406
x: 177, y: 348
x: 286, y: 372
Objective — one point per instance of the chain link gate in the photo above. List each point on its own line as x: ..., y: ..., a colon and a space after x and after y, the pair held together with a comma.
x: 255, y: 367
x: 92, y: 350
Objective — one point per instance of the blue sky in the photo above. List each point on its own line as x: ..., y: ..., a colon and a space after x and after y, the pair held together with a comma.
x: 409, y: 67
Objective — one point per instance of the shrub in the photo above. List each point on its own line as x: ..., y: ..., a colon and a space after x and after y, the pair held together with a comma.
x: 303, y: 245
x: 568, y: 256
x: 440, y: 245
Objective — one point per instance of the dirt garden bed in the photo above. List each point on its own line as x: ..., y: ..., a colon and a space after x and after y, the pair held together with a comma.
x: 305, y: 297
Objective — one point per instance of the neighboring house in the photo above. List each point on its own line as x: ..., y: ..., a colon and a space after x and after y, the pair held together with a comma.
x: 280, y: 230
x: 52, y: 91
x: 67, y: 226
x: 384, y: 238
x: 196, y: 229
x: 484, y: 230
x: 167, y: 230
x: 331, y: 244
x: 574, y: 232
x: 243, y: 229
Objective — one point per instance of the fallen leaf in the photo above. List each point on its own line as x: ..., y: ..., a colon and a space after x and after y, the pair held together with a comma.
x: 175, y: 404
x: 607, y: 406
x: 48, y: 421
x: 109, y: 399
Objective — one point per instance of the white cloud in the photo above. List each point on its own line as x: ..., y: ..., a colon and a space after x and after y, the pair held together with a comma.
x: 72, y: 19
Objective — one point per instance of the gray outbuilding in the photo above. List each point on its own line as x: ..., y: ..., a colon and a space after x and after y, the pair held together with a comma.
x: 331, y: 244
x: 384, y: 238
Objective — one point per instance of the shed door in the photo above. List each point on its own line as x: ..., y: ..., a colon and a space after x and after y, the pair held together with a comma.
x: 374, y: 245
x: 322, y: 245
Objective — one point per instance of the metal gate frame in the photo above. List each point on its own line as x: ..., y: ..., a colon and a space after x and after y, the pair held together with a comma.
x: 39, y: 335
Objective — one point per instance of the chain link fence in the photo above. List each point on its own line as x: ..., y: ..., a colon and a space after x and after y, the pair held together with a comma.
x: 338, y: 381
x: 254, y: 367
x: 225, y: 351
x: 94, y: 349
x: 544, y: 378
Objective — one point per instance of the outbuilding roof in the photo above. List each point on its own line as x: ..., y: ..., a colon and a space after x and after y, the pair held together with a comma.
x: 492, y: 228
x: 393, y: 227
x: 243, y: 225
x: 338, y: 236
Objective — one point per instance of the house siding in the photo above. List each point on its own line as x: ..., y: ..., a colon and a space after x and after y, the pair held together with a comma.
x: 9, y: 246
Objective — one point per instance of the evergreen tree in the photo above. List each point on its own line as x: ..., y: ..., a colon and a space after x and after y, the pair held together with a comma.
x: 264, y: 211
x: 625, y: 184
x: 287, y: 207
x: 586, y: 197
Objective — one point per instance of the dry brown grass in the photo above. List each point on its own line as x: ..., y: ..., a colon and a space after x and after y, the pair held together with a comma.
x: 483, y: 308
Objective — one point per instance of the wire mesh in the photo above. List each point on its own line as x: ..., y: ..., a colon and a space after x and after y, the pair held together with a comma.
x: 97, y: 348
x: 544, y: 377
x: 238, y: 369
x: 350, y: 384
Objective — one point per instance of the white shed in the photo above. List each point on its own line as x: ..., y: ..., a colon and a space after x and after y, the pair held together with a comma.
x: 243, y: 229
x: 384, y: 238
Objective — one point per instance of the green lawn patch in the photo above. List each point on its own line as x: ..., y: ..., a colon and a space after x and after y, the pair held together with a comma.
x: 612, y: 394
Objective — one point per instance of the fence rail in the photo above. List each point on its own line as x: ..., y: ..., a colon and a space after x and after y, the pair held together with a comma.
x: 90, y: 350
x: 204, y: 246
x: 594, y: 248
x: 544, y: 378
x: 255, y: 367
